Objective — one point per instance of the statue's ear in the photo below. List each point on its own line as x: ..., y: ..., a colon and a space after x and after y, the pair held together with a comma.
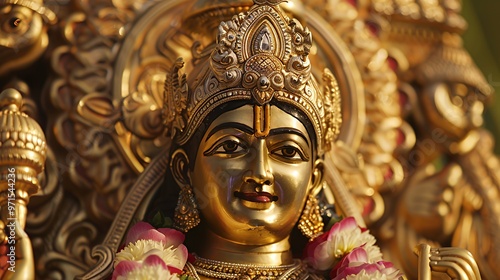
x: 317, y: 177
x: 179, y: 166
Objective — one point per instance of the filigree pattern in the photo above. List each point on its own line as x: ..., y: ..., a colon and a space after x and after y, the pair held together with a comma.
x: 106, y: 105
x: 379, y: 169
x: 100, y: 159
x: 262, y: 52
x: 445, y: 104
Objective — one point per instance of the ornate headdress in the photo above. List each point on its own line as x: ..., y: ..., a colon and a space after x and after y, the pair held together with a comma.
x: 259, y: 56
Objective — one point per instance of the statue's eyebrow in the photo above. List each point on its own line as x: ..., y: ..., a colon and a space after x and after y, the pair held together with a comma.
x: 288, y: 130
x: 248, y: 130
x: 239, y: 126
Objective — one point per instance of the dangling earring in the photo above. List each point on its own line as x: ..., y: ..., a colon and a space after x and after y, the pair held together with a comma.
x: 186, y: 214
x: 311, y: 223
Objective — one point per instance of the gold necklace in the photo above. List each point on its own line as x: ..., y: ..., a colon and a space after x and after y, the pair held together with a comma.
x: 226, y: 270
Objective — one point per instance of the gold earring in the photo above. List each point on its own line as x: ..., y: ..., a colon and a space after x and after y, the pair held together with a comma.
x: 311, y: 223
x: 186, y: 214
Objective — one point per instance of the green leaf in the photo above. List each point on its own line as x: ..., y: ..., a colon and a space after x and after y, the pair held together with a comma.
x: 157, y: 220
x: 161, y: 221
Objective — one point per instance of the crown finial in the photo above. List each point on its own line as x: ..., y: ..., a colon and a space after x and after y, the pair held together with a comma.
x: 11, y: 99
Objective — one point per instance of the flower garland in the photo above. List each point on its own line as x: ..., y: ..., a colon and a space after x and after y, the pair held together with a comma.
x: 151, y: 254
x: 348, y: 251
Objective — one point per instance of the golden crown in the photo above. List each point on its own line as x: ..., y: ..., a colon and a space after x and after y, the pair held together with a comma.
x: 260, y: 56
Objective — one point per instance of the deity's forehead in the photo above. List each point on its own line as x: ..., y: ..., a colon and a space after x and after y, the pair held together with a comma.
x: 246, y: 116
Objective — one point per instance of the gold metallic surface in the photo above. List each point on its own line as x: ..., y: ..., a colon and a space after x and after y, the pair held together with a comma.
x: 446, y: 263
x: 262, y: 56
x: 223, y: 270
x: 23, y: 33
x: 446, y: 95
x: 405, y: 103
x: 22, y: 158
x: 266, y: 176
x: 261, y: 122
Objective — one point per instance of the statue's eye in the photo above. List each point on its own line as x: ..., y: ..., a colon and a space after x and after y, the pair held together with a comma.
x: 228, y: 147
x: 290, y: 153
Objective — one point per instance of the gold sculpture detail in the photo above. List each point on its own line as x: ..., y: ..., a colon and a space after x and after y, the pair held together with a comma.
x: 186, y: 214
x: 262, y: 56
x: 23, y: 33
x: 311, y: 222
x: 22, y: 159
x: 248, y: 111
x: 456, y: 263
x: 446, y: 94
x: 105, y: 106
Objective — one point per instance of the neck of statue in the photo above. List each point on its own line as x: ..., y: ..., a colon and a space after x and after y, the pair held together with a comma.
x: 217, y: 248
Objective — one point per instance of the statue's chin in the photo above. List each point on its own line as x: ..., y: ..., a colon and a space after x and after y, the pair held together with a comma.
x: 251, y: 226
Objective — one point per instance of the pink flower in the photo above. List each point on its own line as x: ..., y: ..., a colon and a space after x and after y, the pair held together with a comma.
x: 151, y: 251
x: 143, y: 230
x: 355, y: 266
x: 340, y: 240
x: 355, y: 258
x: 153, y: 267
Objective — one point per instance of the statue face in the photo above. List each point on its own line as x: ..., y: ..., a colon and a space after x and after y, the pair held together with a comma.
x: 252, y: 190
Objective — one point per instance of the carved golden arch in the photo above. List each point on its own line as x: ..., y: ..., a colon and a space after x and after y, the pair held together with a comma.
x: 106, y: 93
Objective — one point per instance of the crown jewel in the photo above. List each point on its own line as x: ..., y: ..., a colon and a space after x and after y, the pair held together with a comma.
x: 260, y: 56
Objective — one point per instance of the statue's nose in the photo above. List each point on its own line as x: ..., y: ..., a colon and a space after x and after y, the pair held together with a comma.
x: 259, y: 169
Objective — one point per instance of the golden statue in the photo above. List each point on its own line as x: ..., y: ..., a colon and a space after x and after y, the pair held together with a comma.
x: 293, y: 144
x: 249, y: 129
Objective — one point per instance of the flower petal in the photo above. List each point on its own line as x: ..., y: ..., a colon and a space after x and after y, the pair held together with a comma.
x: 183, y: 255
x: 152, y: 234
x: 173, y: 237
x: 136, y: 230
x: 356, y: 257
x: 345, y: 224
x: 312, y: 245
x: 323, y: 257
x: 178, y: 260
x: 154, y: 260
x: 124, y: 267
x: 361, y: 270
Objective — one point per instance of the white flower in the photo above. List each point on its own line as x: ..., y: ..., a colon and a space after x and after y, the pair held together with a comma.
x: 340, y: 240
x: 355, y: 266
x: 151, y: 254
x: 363, y: 275
x: 153, y: 272
x: 141, y: 249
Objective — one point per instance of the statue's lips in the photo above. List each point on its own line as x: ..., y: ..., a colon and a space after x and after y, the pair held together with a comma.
x: 263, y: 197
